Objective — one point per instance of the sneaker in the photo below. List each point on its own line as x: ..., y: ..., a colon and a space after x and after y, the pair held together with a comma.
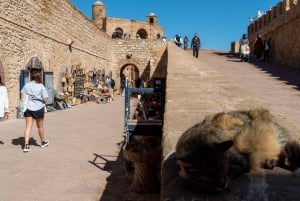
x: 45, y: 143
x: 26, y: 148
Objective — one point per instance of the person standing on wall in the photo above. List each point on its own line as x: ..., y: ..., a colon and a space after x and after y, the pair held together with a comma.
x: 244, y: 45
x: 4, y: 103
x: 185, y: 42
x: 177, y: 40
x: 259, y: 47
x: 37, y: 98
x: 267, y: 47
x: 196, y: 44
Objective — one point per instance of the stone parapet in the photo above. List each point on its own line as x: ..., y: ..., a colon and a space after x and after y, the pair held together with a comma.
x: 194, y: 90
x: 281, y: 24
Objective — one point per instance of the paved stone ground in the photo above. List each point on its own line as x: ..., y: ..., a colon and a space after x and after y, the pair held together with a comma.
x: 277, y: 85
x: 218, y: 81
x: 83, y: 162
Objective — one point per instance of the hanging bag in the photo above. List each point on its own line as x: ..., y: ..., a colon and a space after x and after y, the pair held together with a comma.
x: 23, y: 103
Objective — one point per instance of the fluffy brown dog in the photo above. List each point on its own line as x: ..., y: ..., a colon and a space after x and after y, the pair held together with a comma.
x: 224, y: 145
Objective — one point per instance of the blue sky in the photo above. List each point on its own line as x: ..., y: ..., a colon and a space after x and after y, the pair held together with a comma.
x: 218, y: 23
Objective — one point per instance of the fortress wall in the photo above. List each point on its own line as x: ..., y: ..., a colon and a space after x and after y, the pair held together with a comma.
x: 44, y: 29
x: 132, y: 27
x: 149, y: 56
x: 60, y: 36
x: 282, y: 24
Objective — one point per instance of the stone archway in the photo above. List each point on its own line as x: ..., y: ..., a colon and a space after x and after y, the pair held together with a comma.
x: 34, y: 63
x: 131, y: 72
x: 118, y: 33
x: 142, y: 33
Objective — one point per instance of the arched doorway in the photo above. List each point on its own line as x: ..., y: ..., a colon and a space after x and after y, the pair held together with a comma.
x: 131, y: 73
x: 33, y: 64
x: 118, y: 33
x: 142, y: 33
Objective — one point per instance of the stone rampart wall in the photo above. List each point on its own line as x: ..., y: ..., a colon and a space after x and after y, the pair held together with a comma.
x: 282, y: 24
x: 60, y: 36
x: 45, y: 29
x: 132, y: 27
x: 149, y: 56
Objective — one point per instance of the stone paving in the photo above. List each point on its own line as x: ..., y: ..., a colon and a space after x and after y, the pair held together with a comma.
x: 84, y: 160
x: 215, y: 82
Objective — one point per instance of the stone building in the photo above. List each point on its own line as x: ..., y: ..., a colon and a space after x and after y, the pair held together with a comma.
x: 124, y: 28
x: 56, y: 37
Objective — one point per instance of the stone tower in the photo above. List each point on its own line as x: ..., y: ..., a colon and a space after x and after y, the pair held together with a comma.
x: 99, y: 15
x: 152, y: 19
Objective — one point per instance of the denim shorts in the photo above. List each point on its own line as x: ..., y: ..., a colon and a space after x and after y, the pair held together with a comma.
x: 39, y: 114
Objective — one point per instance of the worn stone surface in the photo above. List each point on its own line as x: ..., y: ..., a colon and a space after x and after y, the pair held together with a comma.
x: 84, y: 160
x: 216, y: 82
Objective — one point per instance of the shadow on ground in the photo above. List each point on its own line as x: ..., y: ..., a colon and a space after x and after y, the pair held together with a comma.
x: 20, y: 142
x: 118, y: 187
x: 285, y: 73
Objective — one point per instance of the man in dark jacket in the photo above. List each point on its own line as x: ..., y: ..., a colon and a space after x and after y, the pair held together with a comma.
x: 196, y: 44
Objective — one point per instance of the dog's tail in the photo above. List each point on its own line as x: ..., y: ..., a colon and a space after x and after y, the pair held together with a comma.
x: 290, y: 156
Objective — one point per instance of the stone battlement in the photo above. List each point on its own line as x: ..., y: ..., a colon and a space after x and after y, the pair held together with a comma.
x: 286, y: 8
x: 281, y: 24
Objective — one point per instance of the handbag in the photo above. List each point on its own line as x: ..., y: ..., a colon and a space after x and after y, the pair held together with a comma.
x: 23, y: 103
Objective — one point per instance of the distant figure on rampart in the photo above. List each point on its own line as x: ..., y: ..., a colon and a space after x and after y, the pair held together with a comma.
x: 267, y: 50
x: 177, y: 40
x: 196, y: 44
x: 185, y: 42
x: 258, y: 48
x: 164, y: 39
x: 244, y: 48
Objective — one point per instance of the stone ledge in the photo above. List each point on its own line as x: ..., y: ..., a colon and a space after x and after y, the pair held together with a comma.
x: 187, y: 102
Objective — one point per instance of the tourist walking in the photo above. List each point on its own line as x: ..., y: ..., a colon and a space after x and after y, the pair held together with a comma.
x: 185, y: 42
x: 4, y: 103
x: 37, y: 98
x: 177, y: 40
x: 110, y: 83
x: 244, y: 48
x: 196, y: 44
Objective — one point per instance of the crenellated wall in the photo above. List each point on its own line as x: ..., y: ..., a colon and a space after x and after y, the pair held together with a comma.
x: 282, y: 24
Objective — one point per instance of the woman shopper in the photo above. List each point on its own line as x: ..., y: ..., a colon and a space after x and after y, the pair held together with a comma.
x: 4, y: 104
x: 37, y: 98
